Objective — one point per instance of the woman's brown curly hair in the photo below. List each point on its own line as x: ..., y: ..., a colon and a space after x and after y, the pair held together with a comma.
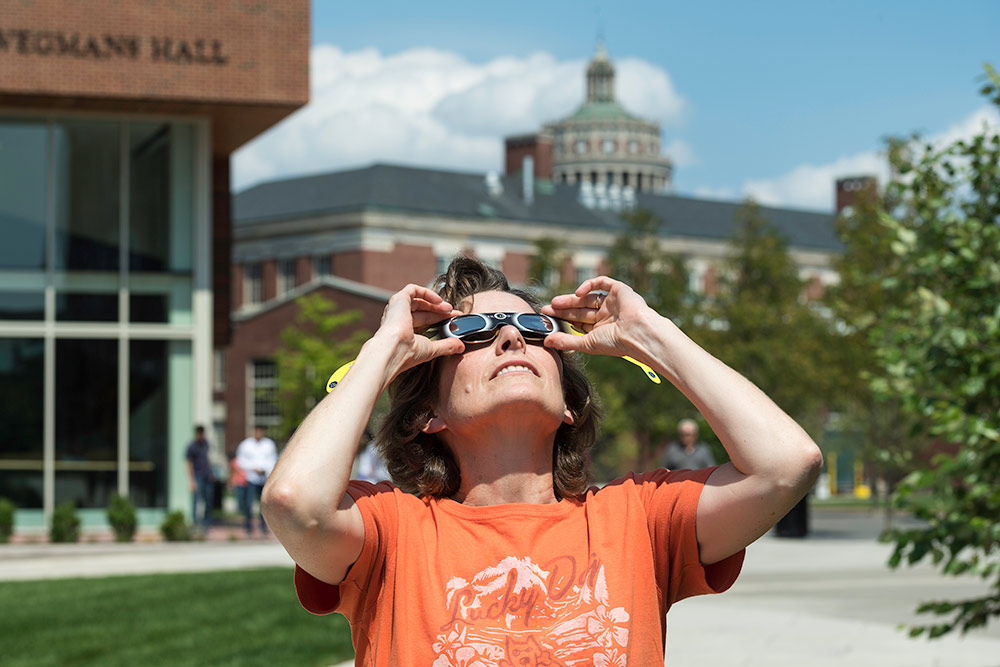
x: 423, y: 464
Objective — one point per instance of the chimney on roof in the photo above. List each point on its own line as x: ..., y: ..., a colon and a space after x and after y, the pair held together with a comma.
x: 852, y: 188
x: 528, y: 180
x: 538, y: 146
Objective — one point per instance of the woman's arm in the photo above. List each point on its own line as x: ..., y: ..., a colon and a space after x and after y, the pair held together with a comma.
x: 773, y: 461
x: 304, y: 499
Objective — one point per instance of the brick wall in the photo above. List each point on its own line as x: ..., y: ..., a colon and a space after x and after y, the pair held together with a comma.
x: 243, y: 64
x: 517, y: 267
x: 268, y: 280
x: 166, y: 49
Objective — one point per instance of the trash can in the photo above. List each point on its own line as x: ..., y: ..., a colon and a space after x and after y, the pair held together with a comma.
x: 796, y: 522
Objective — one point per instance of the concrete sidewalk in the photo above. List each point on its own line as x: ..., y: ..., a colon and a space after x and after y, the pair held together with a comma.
x: 57, y: 561
x: 824, y: 601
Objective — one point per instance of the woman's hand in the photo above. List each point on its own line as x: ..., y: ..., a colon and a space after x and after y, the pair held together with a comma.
x: 610, y: 313
x: 412, y: 309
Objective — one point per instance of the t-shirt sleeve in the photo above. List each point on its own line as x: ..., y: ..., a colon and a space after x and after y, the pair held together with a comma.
x: 363, y: 580
x: 671, y: 502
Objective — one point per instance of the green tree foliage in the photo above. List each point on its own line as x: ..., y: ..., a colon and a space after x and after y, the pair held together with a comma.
x: 641, y: 416
x: 939, y: 348
x: 311, y: 349
x: 760, y: 325
x: 546, y: 270
x: 890, y: 435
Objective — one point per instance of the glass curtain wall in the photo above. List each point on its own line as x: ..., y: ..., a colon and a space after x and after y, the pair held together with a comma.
x: 96, y: 324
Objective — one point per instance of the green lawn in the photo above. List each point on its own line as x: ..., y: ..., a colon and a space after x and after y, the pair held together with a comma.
x: 246, y: 617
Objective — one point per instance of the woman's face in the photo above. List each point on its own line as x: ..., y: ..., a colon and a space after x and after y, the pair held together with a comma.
x: 505, y: 377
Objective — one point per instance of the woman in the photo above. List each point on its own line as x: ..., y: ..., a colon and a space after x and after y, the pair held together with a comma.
x: 500, y: 556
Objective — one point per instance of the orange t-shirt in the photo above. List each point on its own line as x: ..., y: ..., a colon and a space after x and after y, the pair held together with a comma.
x: 586, y: 581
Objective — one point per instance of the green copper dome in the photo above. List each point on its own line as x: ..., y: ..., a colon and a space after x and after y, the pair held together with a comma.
x: 591, y: 111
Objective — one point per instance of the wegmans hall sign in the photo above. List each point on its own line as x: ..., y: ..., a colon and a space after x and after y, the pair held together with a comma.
x: 58, y: 44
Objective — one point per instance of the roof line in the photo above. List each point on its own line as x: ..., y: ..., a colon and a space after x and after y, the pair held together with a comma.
x: 336, y: 282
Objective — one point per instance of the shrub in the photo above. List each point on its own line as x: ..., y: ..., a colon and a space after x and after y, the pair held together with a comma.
x: 6, y: 520
x: 65, y: 524
x: 175, y: 527
x: 121, y: 516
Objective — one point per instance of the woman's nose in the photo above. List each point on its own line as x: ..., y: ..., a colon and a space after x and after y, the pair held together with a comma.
x: 509, y: 338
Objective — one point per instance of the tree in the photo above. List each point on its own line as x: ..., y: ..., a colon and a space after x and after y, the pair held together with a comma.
x: 891, y: 444
x: 939, y: 349
x: 760, y: 325
x: 311, y: 349
x: 546, y: 269
x: 640, y: 414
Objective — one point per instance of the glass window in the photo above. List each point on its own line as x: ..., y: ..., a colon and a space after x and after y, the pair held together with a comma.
x: 149, y: 393
x: 149, y: 197
x: 321, y: 266
x: 264, y: 394
x: 86, y: 421
x: 160, y: 222
x: 286, y: 275
x: 22, y: 305
x: 148, y: 307
x: 23, y: 158
x: 22, y: 414
x: 87, y: 193
x: 252, y: 287
x: 159, y: 198
x: 74, y: 307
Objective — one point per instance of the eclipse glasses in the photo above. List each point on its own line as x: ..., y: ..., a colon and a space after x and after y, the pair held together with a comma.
x: 484, y: 327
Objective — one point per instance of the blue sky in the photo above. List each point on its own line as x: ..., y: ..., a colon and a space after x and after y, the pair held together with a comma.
x: 772, y: 99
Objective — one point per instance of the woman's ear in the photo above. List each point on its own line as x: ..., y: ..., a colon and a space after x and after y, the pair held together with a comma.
x: 568, y: 416
x: 434, y: 425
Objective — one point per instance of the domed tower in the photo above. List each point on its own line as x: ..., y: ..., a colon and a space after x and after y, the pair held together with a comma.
x: 602, y: 143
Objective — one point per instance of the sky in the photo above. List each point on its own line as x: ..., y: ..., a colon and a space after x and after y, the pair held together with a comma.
x: 772, y: 99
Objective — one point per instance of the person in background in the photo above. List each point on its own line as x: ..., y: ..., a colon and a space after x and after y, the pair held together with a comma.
x: 371, y: 465
x: 201, y: 479
x: 256, y: 456
x: 687, y: 452
x: 238, y: 483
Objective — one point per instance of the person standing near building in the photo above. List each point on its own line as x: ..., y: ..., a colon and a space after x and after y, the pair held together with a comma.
x: 201, y: 479
x: 256, y: 456
x: 687, y: 452
x: 238, y: 483
x: 370, y: 464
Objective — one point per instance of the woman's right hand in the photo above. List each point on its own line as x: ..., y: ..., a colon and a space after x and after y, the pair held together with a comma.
x: 412, y: 309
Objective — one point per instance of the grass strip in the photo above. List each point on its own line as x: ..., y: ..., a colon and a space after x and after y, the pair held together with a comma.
x: 243, y: 617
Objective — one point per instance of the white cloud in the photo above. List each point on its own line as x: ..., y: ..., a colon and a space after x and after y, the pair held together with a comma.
x: 681, y: 153
x: 812, y: 186
x: 437, y: 109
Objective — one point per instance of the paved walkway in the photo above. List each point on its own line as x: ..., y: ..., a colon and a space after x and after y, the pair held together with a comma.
x: 824, y: 601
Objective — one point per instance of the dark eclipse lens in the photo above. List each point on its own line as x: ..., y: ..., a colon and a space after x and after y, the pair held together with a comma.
x: 535, y: 323
x: 466, y: 324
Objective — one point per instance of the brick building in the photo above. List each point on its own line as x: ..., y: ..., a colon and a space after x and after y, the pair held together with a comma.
x: 117, y: 120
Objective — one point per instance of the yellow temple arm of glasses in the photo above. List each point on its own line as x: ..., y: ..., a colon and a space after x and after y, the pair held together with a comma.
x: 337, y: 376
x: 649, y: 372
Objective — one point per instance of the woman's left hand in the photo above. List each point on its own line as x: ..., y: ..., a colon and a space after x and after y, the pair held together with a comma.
x: 608, y: 311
